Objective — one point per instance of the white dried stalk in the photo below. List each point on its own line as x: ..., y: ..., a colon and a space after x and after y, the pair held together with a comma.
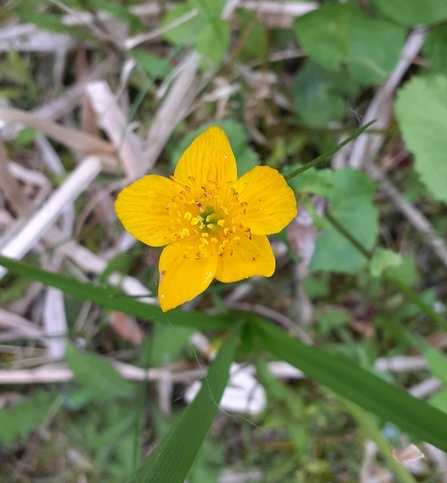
x: 400, y: 363
x: 113, y: 121
x: 73, y: 138
x: 28, y: 38
x: 132, y: 42
x: 19, y: 325
x: 366, y: 146
x: 425, y: 388
x: 173, y: 109
x: 60, y: 373
x: 231, y: 476
x: 292, y: 9
x: 63, y: 105
x: 93, y: 263
x: 55, y: 323
x: 42, y: 220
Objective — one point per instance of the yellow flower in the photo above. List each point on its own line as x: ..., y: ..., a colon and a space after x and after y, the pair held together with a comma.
x: 213, y: 224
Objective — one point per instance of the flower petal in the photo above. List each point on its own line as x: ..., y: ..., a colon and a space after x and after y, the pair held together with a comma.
x: 271, y: 203
x: 208, y: 158
x: 143, y: 206
x: 182, y: 279
x: 249, y: 258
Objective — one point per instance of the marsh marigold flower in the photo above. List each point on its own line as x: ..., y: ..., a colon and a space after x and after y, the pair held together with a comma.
x: 212, y: 224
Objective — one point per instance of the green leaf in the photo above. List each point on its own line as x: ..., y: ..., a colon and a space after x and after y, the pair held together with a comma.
x: 120, y: 12
x: 333, y: 34
x: 154, y: 66
x: 212, y: 38
x: 435, y: 49
x: 19, y: 420
x: 209, y: 34
x: 96, y: 375
x: 421, y: 109
x: 352, y: 207
x: 382, y: 259
x: 171, y: 460
x: 167, y: 341
x: 318, y: 94
x: 413, y: 12
x: 405, y: 272
x: 437, y: 363
x: 246, y: 157
x: 111, y: 300
x: 347, y: 379
x: 318, y: 182
x: 183, y: 33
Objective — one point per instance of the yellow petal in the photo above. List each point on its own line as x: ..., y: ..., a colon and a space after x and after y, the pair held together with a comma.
x: 142, y: 208
x: 271, y: 203
x: 182, y: 279
x: 209, y: 158
x: 249, y: 258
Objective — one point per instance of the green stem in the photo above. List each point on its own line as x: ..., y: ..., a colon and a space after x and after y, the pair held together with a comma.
x: 327, y: 154
x: 410, y: 294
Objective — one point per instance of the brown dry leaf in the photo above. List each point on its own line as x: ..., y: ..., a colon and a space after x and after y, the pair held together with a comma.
x: 126, y: 327
x: 73, y: 138
x: 409, y: 454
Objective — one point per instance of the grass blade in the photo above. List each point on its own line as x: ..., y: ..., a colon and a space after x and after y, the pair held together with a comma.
x: 110, y: 300
x: 359, y: 386
x: 173, y: 457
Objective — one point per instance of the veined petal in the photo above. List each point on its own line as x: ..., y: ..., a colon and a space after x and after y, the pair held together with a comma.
x: 248, y: 258
x: 182, y: 279
x: 208, y: 161
x: 142, y: 208
x: 270, y: 202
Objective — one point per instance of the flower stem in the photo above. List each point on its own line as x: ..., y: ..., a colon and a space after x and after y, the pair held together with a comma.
x: 327, y: 154
x: 407, y: 292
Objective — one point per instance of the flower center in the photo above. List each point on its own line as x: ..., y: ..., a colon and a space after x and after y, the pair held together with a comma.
x: 210, y: 224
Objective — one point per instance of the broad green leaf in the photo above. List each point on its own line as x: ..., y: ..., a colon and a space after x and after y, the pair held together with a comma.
x: 318, y: 95
x: 209, y: 34
x: 183, y: 33
x: 382, y: 259
x: 19, y: 420
x: 421, y: 109
x: 405, y: 272
x: 154, y: 66
x: 212, y: 38
x: 359, y: 386
x: 351, y: 205
x: 333, y: 34
x: 110, y: 300
x: 246, y: 157
x: 435, y: 49
x: 413, y: 12
x: 166, y: 342
x: 171, y: 460
x: 318, y: 182
x: 97, y: 376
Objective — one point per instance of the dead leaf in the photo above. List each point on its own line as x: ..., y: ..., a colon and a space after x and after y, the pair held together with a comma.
x: 409, y: 454
x: 126, y: 327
